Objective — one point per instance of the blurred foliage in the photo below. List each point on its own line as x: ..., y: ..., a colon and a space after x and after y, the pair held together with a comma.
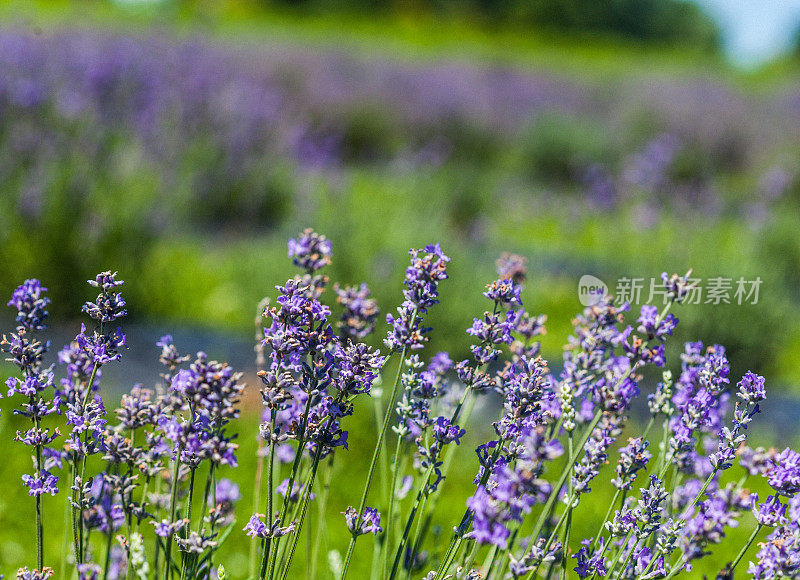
x: 663, y: 21
x: 186, y: 165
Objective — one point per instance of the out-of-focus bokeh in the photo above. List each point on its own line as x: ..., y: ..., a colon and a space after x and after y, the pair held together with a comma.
x: 182, y: 143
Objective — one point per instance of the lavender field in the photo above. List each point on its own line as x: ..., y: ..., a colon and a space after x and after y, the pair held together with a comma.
x: 183, y: 160
x: 131, y: 148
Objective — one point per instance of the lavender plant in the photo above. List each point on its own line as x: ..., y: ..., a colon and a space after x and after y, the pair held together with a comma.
x: 149, y: 500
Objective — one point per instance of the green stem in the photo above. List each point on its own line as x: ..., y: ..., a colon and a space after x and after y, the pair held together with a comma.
x: 107, y: 565
x: 410, y: 521
x: 678, y: 567
x: 619, y: 553
x: 378, y: 446
x: 605, y: 519
x: 458, y: 536
x: 553, y: 534
x: 415, y: 542
x: 322, y: 506
x: 301, y: 444
x: 172, y: 510
x: 740, y: 555
x: 65, y: 543
x: 565, y: 473
x: 390, y: 515
x: 76, y: 543
x: 256, y: 505
x: 305, y: 501
x: 270, y: 507
x: 39, y: 529
x: 490, y: 566
x: 206, y: 494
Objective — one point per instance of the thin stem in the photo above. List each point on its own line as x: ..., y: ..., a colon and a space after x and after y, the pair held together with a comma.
x: 390, y: 515
x: 678, y: 567
x: 619, y: 553
x: 458, y: 536
x: 206, y: 494
x: 172, y: 510
x: 703, y: 489
x: 65, y: 542
x: 378, y: 446
x: 603, y: 551
x: 301, y: 444
x: 256, y: 504
x: 605, y: 519
x: 740, y: 555
x: 190, y: 499
x: 409, y: 522
x: 565, y: 543
x: 553, y: 534
x: 305, y: 501
x: 39, y: 541
x: 471, y: 558
x: 322, y: 505
x: 627, y: 557
x: 76, y: 545
x: 416, y: 538
x: 490, y: 566
x: 39, y: 530
x: 376, y: 407
x: 270, y: 469
x: 565, y: 474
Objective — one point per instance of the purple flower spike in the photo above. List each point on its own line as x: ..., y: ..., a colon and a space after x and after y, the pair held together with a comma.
x: 370, y: 521
x: 310, y: 251
x: 503, y: 292
x: 31, y: 305
x: 256, y: 528
x: 40, y: 484
x: 770, y: 512
x: 751, y: 388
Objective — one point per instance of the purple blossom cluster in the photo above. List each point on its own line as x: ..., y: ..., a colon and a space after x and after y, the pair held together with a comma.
x: 158, y: 459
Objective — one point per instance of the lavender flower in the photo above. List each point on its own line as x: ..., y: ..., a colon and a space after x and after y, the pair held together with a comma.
x: 589, y: 563
x: 360, y: 310
x: 784, y: 474
x: 256, y: 528
x: 27, y: 574
x: 504, y: 292
x: 756, y: 461
x: 595, y: 455
x: 512, y: 267
x: 167, y: 529
x: 421, y: 292
x: 750, y: 392
x: 109, y: 304
x: 358, y: 367
x: 446, y: 432
x: 31, y: 305
x: 310, y: 251
x: 771, y: 512
x: 779, y: 555
x: 648, y: 509
x: 89, y: 571
x: 370, y: 521
x: 632, y: 458
x: 41, y: 483
x: 534, y: 556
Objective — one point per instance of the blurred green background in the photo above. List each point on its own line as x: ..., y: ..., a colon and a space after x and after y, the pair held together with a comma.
x: 183, y: 142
